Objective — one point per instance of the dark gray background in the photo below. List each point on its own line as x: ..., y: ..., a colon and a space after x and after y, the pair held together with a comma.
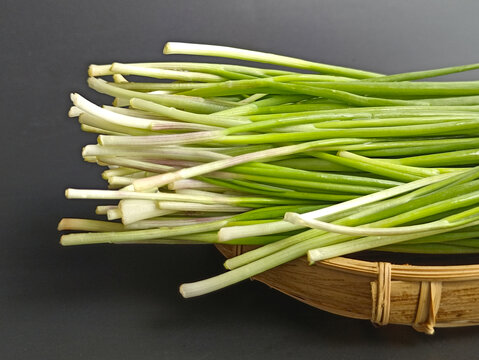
x: 109, y: 302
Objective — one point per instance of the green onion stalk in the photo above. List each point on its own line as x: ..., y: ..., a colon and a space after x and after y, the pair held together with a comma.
x: 307, y: 159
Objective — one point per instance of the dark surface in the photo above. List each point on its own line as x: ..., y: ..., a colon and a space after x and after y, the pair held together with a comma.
x: 109, y: 302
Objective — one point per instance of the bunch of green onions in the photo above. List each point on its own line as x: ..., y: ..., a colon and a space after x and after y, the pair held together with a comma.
x: 312, y: 159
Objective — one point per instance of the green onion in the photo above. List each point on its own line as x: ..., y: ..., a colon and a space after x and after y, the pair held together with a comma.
x: 323, y: 161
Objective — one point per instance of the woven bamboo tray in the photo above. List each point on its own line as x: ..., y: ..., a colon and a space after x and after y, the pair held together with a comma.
x: 424, y: 297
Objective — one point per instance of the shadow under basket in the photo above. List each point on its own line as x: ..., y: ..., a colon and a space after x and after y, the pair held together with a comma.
x: 422, y: 296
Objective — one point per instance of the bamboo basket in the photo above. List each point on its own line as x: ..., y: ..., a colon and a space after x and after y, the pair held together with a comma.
x: 423, y: 297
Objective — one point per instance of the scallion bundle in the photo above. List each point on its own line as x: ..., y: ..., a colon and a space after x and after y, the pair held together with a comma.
x: 312, y: 159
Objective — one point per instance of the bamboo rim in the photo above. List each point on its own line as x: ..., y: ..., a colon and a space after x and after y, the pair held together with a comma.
x: 407, y: 272
x: 424, y: 297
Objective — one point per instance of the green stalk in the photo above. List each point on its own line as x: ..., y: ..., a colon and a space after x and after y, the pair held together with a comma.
x: 109, y: 116
x: 230, y: 142
x: 238, y: 274
x: 159, y: 73
x: 255, y: 106
x: 224, y: 70
x: 120, y: 171
x: 402, y: 121
x: 184, y: 206
x: 169, y: 232
x: 313, y: 164
x: 304, y: 106
x: 452, y: 158
x: 316, y: 185
x: 470, y: 242
x: 230, y: 233
x: 235, y: 53
x: 459, y: 127
x: 95, y: 130
x: 212, y: 119
x: 388, y: 165
x: 158, y: 222
x: 152, y: 153
x: 413, y: 147
x: 138, y: 235
x: 295, y: 251
x: 164, y: 179
x: 451, y: 236
x: 453, y: 101
x: 420, y: 187
x: 235, y: 126
x: 402, y: 88
x: 280, y: 193
x: 423, y: 206
x: 161, y: 86
x: 136, y: 164
x: 99, y: 123
x: 368, y: 167
x: 159, y: 196
x: 271, y: 85
x: 88, y: 225
x: 369, y: 242
x: 416, y: 75
x: 289, y: 173
x: 377, y: 112
x: 193, y: 104
x: 369, y: 230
